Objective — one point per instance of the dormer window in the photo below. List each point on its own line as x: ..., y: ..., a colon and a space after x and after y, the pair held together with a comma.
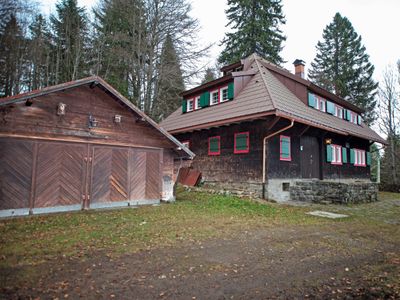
x: 339, y: 111
x: 214, y: 97
x: 320, y: 104
x: 197, y: 102
x: 353, y: 118
x: 190, y: 105
x: 224, y: 94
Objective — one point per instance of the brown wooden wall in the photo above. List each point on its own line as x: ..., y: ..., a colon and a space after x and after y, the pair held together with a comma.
x: 41, y: 120
x: 40, y: 174
x: 248, y: 166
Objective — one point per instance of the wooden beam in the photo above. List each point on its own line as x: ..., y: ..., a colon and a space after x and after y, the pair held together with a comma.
x: 273, y: 123
x: 304, y: 130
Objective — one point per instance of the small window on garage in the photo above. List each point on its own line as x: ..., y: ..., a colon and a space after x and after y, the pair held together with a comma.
x: 285, y: 186
x: 284, y: 145
x: 214, y: 147
x: 241, y: 143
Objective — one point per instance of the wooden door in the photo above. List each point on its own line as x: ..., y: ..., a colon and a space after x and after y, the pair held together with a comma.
x: 109, y: 182
x: 60, y: 174
x: 309, y: 155
x: 15, y: 173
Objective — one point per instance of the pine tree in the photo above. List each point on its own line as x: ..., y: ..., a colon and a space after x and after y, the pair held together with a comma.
x: 12, y: 58
x: 342, y: 66
x: 256, y: 27
x: 70, y: 38
x: 39, y: 53
x: 209, y: 75
x: 170, y: 83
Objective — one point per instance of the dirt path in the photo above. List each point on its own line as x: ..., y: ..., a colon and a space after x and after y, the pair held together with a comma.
x: 285, y: 263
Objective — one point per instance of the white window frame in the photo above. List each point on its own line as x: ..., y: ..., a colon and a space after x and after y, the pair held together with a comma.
x: 211, y: 97
x: 337, y: 110
x: 190, y: 105
x: 197, y: 102
x: 221, y: 93
x: 336, y: 155
x: 321, y: 103
x: 359, y: 158
x: 353, y: 118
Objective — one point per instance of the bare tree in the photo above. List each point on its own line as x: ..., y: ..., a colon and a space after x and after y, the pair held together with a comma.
x: 389, y: 121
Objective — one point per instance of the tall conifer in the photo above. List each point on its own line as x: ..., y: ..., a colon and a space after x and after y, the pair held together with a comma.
x: 256, y: 28
x: 342, y: 66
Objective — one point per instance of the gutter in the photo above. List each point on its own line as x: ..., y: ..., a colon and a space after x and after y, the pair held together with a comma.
x: 264, y: 154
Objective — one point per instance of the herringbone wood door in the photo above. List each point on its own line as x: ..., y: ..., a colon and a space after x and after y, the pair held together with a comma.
x: 109, y: 174
x: 15, y: 173
x: 59, y: 174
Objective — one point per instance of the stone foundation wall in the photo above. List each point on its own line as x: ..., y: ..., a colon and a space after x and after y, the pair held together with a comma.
x: 249, y: 189
x: 335, y: 192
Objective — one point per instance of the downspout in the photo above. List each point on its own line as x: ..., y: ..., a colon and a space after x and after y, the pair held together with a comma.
x: 264, y: 149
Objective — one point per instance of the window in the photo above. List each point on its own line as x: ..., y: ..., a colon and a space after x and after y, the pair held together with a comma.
x: 190, y: 105
x: 336, y: 155
x: 224, y: 94
x: 186, y: 143
x: 214, y: 147
x: 197, y: 102
x: 284, y: 146
x: 359, y: 157
x: 214, y: 97
x: 338, y: 111
x: 320, y: 104
x: 353, y: 118
x: 241, y: 142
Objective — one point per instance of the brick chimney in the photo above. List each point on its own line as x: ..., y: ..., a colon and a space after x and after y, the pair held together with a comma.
x: 299, y: 67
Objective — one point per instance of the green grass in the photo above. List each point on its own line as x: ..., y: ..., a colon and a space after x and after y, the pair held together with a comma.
x: 194, y: 216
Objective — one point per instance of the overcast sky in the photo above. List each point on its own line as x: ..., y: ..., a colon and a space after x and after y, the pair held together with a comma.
x: 377, y: 21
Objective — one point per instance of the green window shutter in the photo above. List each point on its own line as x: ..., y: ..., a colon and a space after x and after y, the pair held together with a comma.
x: 348, y: 115
x: 184, y: 105
x: 285, y: 148
x: 330, y: 107
x: 352, y: 156
x: 241, y: 142
x: 205, y: 99
x: 368, y: 158
x: 344, y: 155
x: 230, y: 90
x: 213, y: 146
x: 328, y: 153
x: 359, y: 119
x: 311, y: 100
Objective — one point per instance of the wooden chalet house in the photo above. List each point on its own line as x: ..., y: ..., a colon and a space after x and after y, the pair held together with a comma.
x: 82, y: 145
x: 262, y: 130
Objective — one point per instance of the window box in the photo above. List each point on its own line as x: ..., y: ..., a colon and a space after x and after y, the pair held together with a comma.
x: 284, y: 148
x: 241, y: 142
x: 214, y: 145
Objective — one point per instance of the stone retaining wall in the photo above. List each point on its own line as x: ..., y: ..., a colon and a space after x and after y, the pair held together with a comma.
x: 335, y: 192
x: 248, y: 189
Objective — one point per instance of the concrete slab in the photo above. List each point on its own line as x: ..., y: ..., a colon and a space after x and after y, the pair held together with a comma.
x: 326, y: 214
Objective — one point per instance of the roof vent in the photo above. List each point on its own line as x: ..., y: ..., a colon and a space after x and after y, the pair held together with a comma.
x: 299, y: 67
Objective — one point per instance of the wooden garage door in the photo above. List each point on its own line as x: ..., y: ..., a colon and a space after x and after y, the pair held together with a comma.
x: 59, y: 174
x: 15, y: 173
x: 122, y: 174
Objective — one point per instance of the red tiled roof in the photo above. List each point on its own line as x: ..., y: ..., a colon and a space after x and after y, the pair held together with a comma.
x: 265, y: 95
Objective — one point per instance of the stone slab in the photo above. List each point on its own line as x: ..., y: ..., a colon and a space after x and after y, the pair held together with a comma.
x: 326, y: 214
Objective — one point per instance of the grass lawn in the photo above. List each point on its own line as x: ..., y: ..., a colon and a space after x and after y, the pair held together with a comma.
x: 205, y: 246
x: 194, y: 216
